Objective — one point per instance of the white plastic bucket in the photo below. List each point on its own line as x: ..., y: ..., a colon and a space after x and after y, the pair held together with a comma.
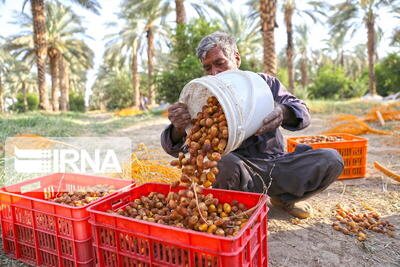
x: 244, y: 96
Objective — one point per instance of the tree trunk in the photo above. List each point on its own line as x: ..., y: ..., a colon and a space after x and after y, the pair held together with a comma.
x: 341, y: 59
x: 289, y: 9
x: 267, y: 14
x: 150, y: 52
x: 180, y: 12
x: 103, y: 105
x: 370, y: 24
x: 304, y: 72
x: 54, y: 64
x: 64, y: 84
x: 39, y: 38
x: 1, y: 96
x: 67, y: 82
x: 135, y: 80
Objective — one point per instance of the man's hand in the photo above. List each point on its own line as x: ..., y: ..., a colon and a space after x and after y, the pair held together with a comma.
x: 272, y: 121
x: 179, y: 116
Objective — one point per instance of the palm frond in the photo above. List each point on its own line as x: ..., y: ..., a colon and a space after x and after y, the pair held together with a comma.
x: 91, y: 5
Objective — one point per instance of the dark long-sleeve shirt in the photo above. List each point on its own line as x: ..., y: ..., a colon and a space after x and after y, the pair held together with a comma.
x: 267, y: 145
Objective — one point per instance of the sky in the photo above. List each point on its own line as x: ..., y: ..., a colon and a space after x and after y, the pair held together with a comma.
x: 96, y: 28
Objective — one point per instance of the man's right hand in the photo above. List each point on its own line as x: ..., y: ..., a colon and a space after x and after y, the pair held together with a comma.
x: 179, y: 116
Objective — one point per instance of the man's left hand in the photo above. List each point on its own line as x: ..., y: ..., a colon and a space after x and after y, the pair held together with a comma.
x: 273, y: 120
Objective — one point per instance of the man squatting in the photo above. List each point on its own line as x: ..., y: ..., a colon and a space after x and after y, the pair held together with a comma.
x: 295, y: 176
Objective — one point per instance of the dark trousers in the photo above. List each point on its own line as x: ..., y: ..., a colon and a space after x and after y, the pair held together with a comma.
x: 292, y: 177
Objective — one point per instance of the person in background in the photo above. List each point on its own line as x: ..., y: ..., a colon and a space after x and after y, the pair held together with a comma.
x: 143, y: 102
x: 260, y: 160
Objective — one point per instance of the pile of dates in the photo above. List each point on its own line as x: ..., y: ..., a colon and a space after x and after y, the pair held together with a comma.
x: 84, y: 196
x: 206, y: 143
x: 320, y: 139
x: 350, y: 222
x: 189, y: 210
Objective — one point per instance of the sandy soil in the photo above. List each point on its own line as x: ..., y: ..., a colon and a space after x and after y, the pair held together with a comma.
x: 313, y: 242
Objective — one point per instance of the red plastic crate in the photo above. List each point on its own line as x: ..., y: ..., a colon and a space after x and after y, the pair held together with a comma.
x: 44, y: 233
x: 124, y: 241
x: 353, y: 151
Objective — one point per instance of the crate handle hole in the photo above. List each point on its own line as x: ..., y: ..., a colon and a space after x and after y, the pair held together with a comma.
x: 116, y: 203
x: 30, y: 187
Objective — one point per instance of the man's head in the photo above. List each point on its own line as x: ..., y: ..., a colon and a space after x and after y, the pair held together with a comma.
x: 218, y: 52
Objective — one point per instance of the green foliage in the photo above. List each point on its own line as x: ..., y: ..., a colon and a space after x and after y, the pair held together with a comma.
x: 330, y: 83
x: 169, y: 83
x: 77, y: 102
x: 388, y: 75
x: 301, y: 93
x: 357, y: 87
x: 118, y: 91
x: 188, y: 36
x: 32, y: 103
x: 282, y: 76
x: 251, y: 64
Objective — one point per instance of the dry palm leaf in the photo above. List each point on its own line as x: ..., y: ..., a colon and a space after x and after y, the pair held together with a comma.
x: 387, y: 172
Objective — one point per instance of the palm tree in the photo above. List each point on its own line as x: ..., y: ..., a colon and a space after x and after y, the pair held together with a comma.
x: 336, y: 44
x: 180, y: 9
x: 180, y: 12
x: 290, y: 9
x: 78, y: 59
x: 268, y: 24
x: 20, y: 79
x: 356, y: 62
x: 3, y: 68
x: 39, y: 37
x: 302, y: 44
x: 395, y: 38
x: 266, y: 11
x: 396, y: 33
x: 64, y: 26
x: 318, y: 59
x: 15, y: 76
x: 64, y: 83
x: 63, y: 44
x: 127, y: 44
x: 103, y: 77
x: 149, y: 11
x: 241, y: 26
x: 350, y: 14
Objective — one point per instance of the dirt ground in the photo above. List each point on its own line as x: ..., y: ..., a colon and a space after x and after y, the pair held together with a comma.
x: 313, y: 242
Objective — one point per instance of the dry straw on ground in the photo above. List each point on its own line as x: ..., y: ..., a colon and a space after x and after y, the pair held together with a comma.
x: 150, y: 166
x: 358, y: 125
x: 126, y: 112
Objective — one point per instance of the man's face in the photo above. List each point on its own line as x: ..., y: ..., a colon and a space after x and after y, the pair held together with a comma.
x: 216, y: 62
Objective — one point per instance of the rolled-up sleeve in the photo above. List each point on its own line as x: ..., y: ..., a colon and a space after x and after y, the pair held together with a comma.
x: 282, y: 96
x: 168, y: 145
